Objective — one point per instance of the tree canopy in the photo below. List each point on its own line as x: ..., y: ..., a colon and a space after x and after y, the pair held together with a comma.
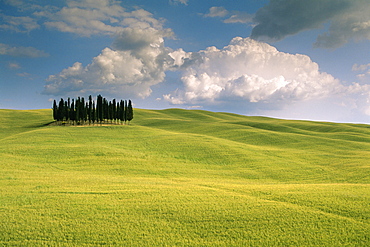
x: 78, y: 111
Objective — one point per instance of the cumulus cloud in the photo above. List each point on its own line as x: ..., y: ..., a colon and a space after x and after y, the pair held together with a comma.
x: 137, y: 60
x: 137, y: 39
x: 21, y: 51
x: 250, y: 71
x: 349, y: 19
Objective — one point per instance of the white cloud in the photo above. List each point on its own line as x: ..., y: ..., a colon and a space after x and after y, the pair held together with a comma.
x: 185, y: 2
x: 349, y: 20
x: 21, y: 51
x: 97, y: 17
x: 86, y: 18
x: 25, y: 5
x: 253, y: 71
x: 360, y: 67
x: 137, y: 61
x: 364, y: 70
x: 217, y: 12
x: 136, y: 39
x: 239, y: 17
x: 81, y: 17
x: 26, y: 75
x: 250, y: 71
x: 19, y: 24
x: 181, y: 58
x: 232, y: 16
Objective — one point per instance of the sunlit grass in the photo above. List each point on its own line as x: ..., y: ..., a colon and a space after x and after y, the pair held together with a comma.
x: 186, y: 178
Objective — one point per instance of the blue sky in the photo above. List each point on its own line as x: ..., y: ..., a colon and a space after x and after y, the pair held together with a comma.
x: 287, y: 59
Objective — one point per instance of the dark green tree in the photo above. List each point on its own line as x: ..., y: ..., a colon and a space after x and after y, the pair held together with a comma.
x: 114, y: 110
x: 61, y: 110
x: 86, y: 111
x: 90, y: 109
x: 66, y: 110
x: 87, y: 114
x: 99, y: 108
x: 110, y: 111
x: 72, y: 112
x: 82, y: 110
x: 122, y: 111
x: 105, y: 109
x: 118, y: 111
x: 130, y: 112
x: 78, y: 110
x: 125, y: 110
x: 55, y: 110
x: 93, y: 114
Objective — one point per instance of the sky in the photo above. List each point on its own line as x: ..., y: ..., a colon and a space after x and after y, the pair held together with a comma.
x: 278, y: 58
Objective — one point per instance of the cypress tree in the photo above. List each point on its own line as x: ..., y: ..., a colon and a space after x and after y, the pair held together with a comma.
x: 114, y: 110
x: 66, y: 110
x: 72, y: 112
x: 86, y: 111
x: 78, y: 110
x: 118, y: 112
x: 55, y: 110
x: 126, y: 112
x: 109, y: 110
x: 99, y: 108
x: 93, y: 113
x: 82, y: 110
x: 105, y: 109
x: 90, y: 109
x: 122, y: 111
x: 61, y: 110
x: 130, y: 112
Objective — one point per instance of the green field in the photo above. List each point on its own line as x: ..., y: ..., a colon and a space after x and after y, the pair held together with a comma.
x: 183, y: 178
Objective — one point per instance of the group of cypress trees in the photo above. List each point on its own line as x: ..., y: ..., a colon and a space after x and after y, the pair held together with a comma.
x: 78, y: 111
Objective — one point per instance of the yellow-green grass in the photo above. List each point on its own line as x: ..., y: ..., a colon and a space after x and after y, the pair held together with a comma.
x: 183, y: 178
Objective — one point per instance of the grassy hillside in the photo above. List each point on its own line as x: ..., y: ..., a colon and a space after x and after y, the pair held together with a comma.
x: 184, y: 178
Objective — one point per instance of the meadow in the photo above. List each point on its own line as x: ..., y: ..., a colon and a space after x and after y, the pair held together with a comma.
x: 183, y: 178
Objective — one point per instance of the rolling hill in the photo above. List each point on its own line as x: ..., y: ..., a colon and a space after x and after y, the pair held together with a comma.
x: 184, y: 178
